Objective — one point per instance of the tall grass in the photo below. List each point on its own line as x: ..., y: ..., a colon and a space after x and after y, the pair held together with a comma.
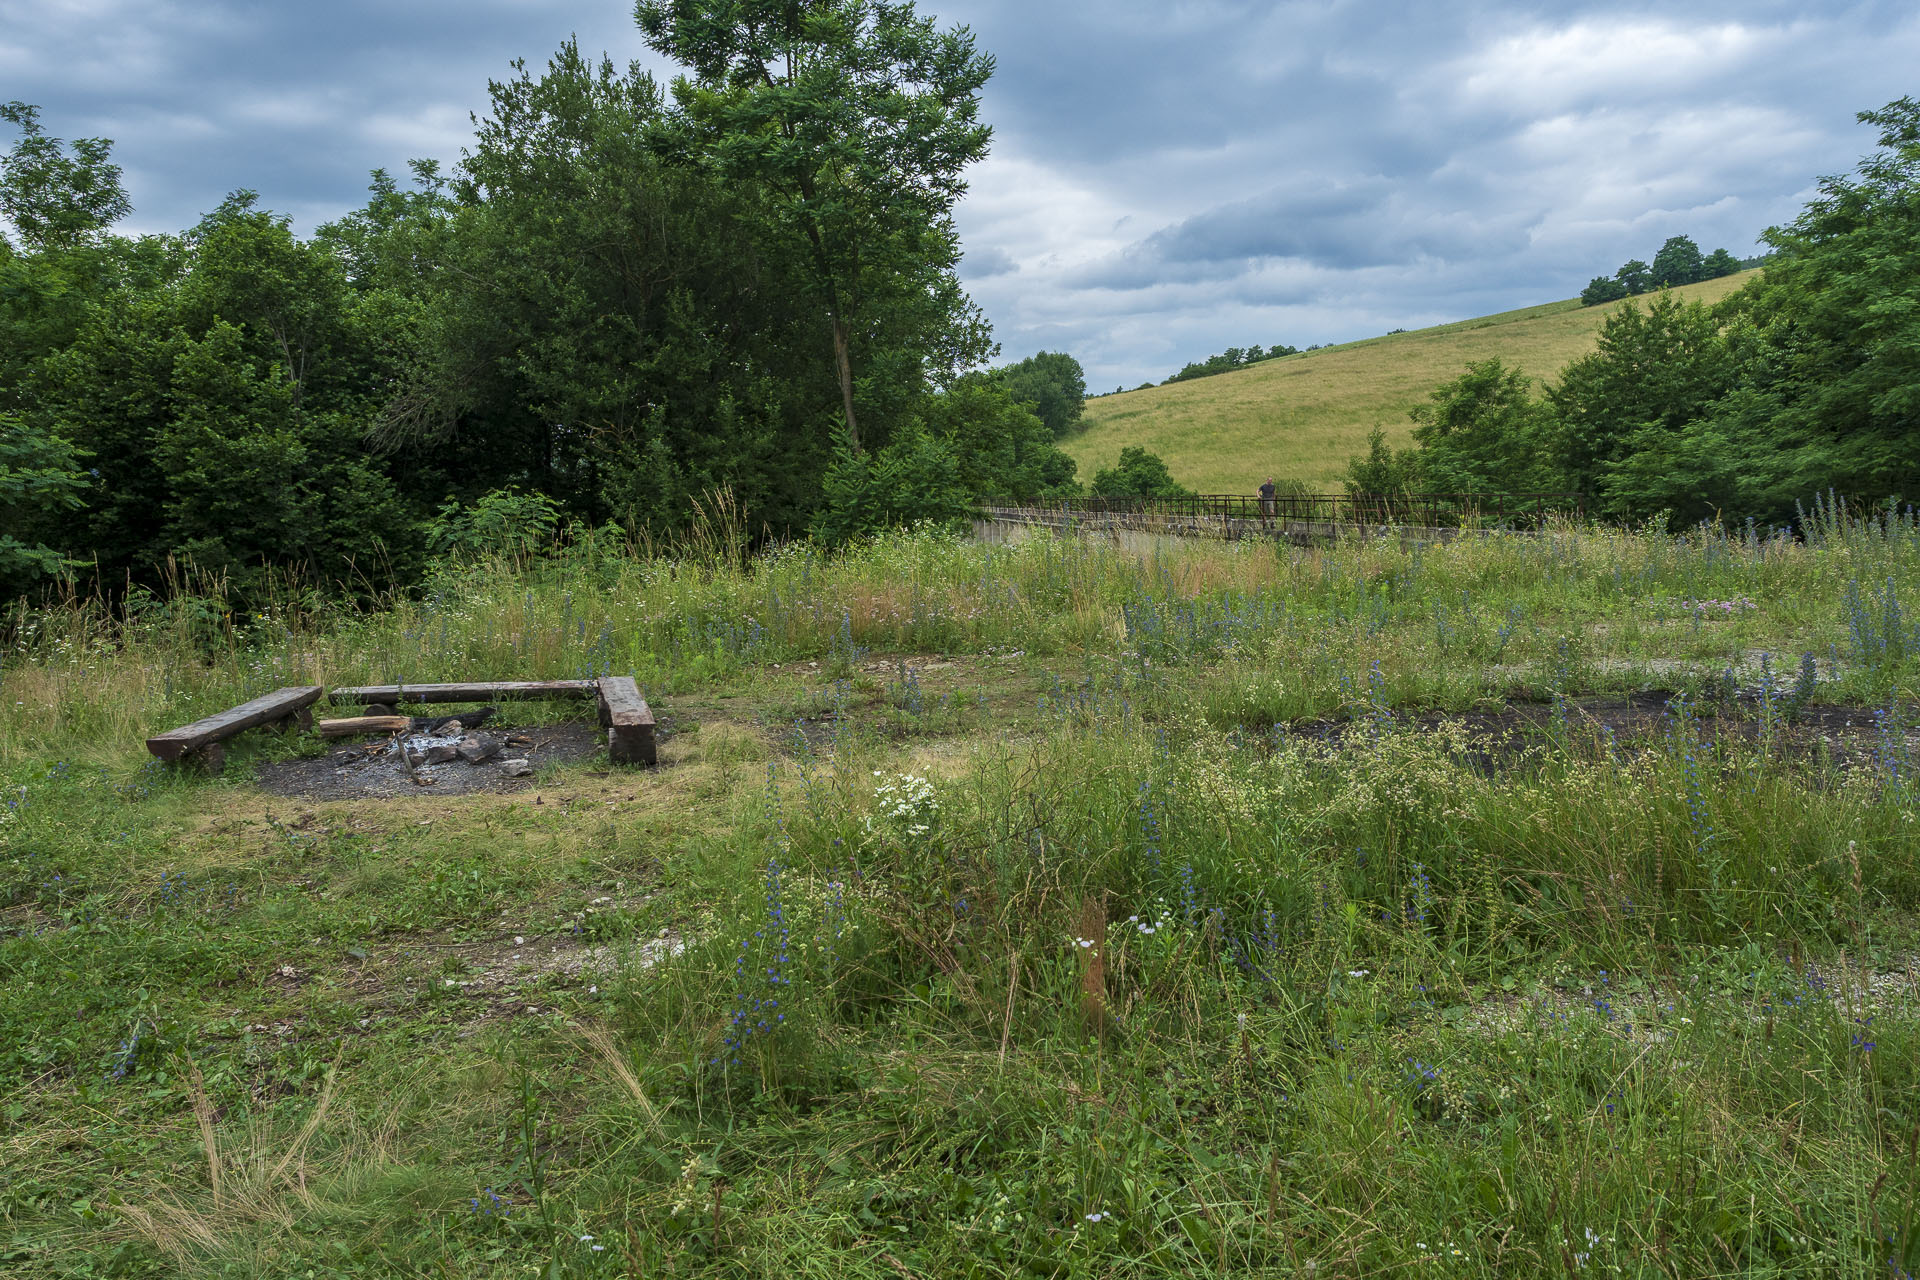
x: 1109, y: 968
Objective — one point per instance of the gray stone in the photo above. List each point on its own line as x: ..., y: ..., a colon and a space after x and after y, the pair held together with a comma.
x: 479, y: 748
x: 517, y: 768
x: 442, y: 753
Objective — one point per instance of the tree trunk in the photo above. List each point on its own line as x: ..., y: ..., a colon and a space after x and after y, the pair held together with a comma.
x: 844, y: 363
x: 842, y: 355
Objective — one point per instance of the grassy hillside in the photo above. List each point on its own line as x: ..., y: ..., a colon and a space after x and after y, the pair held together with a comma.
x: 1301, y: 417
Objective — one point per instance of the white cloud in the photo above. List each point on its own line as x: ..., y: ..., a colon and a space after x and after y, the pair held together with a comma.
x: 1547, y: 69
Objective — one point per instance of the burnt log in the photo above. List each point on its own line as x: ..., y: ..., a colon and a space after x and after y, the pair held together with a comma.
x: 361, y: 725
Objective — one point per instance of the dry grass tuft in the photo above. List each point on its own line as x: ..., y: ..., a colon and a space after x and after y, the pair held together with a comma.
x: 247, y: 1187
x: 603, y: 1046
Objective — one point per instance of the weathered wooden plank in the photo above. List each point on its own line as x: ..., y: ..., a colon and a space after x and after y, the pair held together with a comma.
x: 394, y: 695
x: 286, y: 704
x: 628, y: 721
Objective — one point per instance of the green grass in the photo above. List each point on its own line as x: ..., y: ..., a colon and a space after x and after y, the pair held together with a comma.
x: 1069, y: 963
x: 1301, y: 417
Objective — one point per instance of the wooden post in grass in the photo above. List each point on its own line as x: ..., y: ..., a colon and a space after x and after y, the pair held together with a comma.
x: 628, y: 721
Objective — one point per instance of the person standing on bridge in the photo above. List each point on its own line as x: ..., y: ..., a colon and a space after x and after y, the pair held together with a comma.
x: 1267, y: 504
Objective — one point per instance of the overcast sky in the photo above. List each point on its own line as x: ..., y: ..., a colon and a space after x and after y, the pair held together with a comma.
x: 1169, y: 177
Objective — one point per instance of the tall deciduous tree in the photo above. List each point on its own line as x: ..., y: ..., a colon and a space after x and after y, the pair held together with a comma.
x: 1828, y: 340
x: 1656, y: 370
x: 60, y: 201
x: 54, y: 195
x: 603, y: 326
x: 856, y: 119
x: 1052, y: 384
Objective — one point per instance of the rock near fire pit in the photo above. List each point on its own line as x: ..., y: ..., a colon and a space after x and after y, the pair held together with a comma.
x: 475, y: 749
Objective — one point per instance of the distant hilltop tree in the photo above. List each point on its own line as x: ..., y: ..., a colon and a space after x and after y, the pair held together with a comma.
x: 1230, y: 359
x: 1678, y: 262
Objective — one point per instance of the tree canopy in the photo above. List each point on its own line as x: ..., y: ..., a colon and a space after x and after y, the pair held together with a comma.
x: 1137, y: 474
x: 53, y: 195
x: 854, y: 120
x: 1678, y: 262
x: 1052, y: 385
x: 620, y: 300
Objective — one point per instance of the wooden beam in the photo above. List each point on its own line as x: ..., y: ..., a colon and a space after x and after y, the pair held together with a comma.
x: 628, y: 721
x: 394, y: 695
x: 286, y: 704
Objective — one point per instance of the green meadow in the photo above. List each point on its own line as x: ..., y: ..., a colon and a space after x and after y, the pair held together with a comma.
x: 1301, y: 417
x: 1509, y: 907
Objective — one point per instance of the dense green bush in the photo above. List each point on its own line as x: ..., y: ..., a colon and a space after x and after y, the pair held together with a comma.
x: 1052, y: 385
x: 39, y: 477
x: 1137, y: 474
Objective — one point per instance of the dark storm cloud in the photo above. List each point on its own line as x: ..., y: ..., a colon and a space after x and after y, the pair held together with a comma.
x: 1169, y: 177
x: 298, y: 101
x: 1368, y: 222
x: 983, y: 262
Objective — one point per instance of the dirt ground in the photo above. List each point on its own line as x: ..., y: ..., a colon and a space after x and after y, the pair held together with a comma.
x: 1847, y: 734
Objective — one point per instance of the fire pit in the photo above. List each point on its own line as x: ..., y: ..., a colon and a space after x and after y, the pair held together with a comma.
x: 447, y: 761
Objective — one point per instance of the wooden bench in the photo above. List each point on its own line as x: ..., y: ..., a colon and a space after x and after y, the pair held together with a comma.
x: 628, y: 722
x: 200, y: 742
x: 384, y: 699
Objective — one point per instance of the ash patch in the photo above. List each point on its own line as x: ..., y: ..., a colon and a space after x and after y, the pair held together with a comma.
x: 377, y: 770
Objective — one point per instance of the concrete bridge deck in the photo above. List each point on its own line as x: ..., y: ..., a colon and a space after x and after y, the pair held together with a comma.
x: 998, y: 523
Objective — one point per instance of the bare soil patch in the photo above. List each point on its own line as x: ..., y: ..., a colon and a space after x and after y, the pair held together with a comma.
x: 1847, y: 734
